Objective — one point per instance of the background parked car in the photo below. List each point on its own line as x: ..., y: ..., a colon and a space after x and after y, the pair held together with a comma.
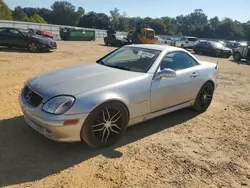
x: 161, y: 40
x: 242, y: 52
x: 173, y: 41
x: 12, y: 37
x: 116, y: 40
x: 222, y: 42
x: 41, y: 32
x: 212, y: 48
x: 234, y: 44
x: 186, y: 42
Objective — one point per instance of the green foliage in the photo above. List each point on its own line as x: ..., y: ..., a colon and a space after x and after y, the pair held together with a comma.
x: 18, y: 14
x: 5, y: 12
x: 95, y: 20
x: 63, y: 13
x: 26, y: 18
x: 158, y: 25
x: 194, y: 24
x: 37, y: 19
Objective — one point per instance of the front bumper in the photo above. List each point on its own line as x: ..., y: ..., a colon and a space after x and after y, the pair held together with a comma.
x: 51, y: 126
x: 226, y: 53
x: 50, y: 46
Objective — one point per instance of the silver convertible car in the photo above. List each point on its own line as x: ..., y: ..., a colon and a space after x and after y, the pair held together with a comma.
x: 97, y: 102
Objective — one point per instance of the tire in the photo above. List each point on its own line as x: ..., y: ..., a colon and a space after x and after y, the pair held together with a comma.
x: 237, y: 56
x: 94, y: 132
x: 121, y: 44
x: 204, y: 97
x: 197, y: 51
x: 33, y: 47
x: 216, y: 54
x: 182, y: 46
x: 106, y: 43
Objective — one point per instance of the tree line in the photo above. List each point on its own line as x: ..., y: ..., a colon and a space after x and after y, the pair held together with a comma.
x: 194, y: 24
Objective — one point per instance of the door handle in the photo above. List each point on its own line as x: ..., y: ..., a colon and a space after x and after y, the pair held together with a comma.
x: 194, y: 75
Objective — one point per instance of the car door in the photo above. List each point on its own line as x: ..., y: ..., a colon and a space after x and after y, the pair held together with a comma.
x: 169, y: 92
x: 3, y: 37
x: 17, y: 38
x: 199, y: 47
x: 208, y: 48
x: 245, y: 51
x: 180, y: 42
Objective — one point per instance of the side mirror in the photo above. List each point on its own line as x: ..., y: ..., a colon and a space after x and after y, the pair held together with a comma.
x: 165, y: 73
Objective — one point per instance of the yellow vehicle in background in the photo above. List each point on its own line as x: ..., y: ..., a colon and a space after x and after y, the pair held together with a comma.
x: 143, y: 34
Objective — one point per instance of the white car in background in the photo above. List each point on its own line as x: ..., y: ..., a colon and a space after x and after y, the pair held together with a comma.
x: 187, y: 42
x: 161, y: 40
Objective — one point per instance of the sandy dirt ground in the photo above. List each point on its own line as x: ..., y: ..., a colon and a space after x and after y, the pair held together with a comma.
x: 181, y: 149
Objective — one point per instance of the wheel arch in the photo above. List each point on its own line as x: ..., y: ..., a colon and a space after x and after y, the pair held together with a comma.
x: 117, y: 100
x: 110, y: 100
x: 211, y: 82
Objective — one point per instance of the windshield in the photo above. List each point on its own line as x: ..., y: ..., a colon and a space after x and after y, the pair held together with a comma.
x: 150, y: 34
x: 131, y: 59
x: 192, y: 39
x: 217, y: 45
x: 26, y: 31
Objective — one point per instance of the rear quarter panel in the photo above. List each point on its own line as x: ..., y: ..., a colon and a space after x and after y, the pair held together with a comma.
x: 207, y: 72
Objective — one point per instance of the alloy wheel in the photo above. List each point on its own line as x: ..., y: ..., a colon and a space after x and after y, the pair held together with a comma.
x: 107, y: 125
x: 205, y: 97
x: 32, y: 47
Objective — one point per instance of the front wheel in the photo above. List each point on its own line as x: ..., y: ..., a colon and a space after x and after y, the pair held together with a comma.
x: 105, y: 125
x: 237, y: 56
x: 204, y: 97
x: 197, y: 51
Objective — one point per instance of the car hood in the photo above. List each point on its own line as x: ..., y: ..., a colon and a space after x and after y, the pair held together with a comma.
x: 226, y: 49
x: 76, y: 80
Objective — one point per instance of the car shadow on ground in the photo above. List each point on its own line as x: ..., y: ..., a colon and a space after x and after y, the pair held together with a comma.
x: 240, y: 62
x: 107, y: 45
x: 26, y: 156
x: 20, y: 50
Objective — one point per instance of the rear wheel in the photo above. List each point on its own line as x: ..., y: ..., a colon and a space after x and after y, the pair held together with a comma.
x: 105, y: 125
x: 204, y: 97
x: 182, y: 46
x: 237, y: 56
x: 33, y: 47
x: 197, y: 51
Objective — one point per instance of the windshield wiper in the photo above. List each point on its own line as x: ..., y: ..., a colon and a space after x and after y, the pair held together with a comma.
x: 100, y: 62
x: 119, y: 67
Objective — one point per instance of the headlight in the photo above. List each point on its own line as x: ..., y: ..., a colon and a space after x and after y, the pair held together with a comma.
x: 59, y: 105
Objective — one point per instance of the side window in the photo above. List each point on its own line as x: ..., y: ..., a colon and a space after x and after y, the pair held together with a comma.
x: 177, y: 61
x: 14, y: 32
x: 5, y: 31
x: 10, y: 32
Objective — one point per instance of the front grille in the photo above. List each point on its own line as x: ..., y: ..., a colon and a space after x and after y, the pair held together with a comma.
x: 31, y: 97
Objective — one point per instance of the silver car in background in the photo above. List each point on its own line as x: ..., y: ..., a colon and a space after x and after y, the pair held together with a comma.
x: 97, y: 102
